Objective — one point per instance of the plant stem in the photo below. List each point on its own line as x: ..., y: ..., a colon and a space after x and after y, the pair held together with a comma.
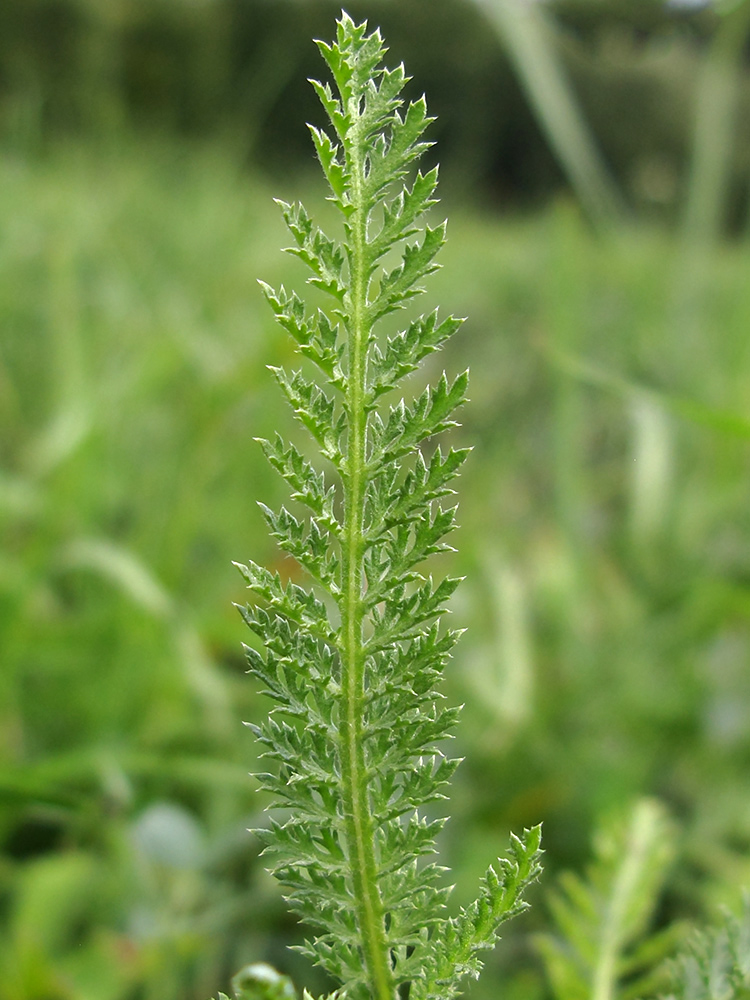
x: 358, y: 820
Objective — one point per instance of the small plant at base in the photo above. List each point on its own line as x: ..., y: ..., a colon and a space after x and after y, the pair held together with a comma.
x: 715, y: 964
x: 260, y: 982
x: 353, y: 663
x: 604, y: 946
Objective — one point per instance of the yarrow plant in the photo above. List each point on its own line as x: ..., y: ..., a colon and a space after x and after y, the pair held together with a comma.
x: 353, y: 662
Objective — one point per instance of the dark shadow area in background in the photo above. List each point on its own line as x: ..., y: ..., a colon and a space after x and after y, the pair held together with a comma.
x: 236, y: 69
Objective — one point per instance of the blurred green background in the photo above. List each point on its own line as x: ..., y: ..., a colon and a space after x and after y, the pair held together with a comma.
x: 595, y: 157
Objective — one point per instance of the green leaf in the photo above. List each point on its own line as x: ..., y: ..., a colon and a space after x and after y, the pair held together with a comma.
x: 458, y: 942
x: 291, y: 602
x: 602, y: 919
x: 315, y: 410
x: 388, y: 161
x: 403, y: 353
x: 353, y: 58
x: 309, y: 543
x: 353, y: 665
x: 715, y: 963
x: 333, y: 166
x: 410, y: 424
x: 403, y: 614
x: 322, y: 256
x: 400, y: 284
x: 317, y: 337
x: 308, y: 485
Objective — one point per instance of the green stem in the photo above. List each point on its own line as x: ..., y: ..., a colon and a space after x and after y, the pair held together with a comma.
x: 358, y: 820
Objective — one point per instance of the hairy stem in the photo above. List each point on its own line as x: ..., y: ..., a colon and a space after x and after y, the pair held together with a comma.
x: 357, y: 813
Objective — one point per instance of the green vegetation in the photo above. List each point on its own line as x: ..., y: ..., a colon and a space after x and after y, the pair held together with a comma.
x: 355, y: 732
x: 604, y: 946
x: 631, y: 103
x: 603, y: 534
x: 716, y: 962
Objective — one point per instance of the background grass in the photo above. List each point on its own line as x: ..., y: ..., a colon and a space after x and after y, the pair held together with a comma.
x: 604, y: 511
x: 604, y: 537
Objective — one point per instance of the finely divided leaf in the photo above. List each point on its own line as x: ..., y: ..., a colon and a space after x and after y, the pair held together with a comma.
x: 715, y: 964
x: 352, y: 663
x: 600, y: 948
x: 457, y: 947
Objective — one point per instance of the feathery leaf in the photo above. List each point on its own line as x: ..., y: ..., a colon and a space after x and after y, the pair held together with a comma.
x: 353, y: 663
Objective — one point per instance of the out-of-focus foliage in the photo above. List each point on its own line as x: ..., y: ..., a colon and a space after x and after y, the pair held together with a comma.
x: 604, y: 536
x: 261, y: 982
x: 604, y: 519
x: 238, y: 68
x: 715, y: 965
x: 603, y: 945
